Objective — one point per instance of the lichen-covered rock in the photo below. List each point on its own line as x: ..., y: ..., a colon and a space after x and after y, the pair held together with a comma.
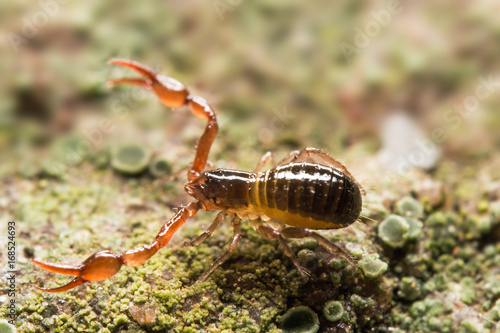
x: 440, y: 274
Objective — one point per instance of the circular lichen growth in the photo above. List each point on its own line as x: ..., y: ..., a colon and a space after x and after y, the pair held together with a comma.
x: 484, y: 224
x: 308, y: 259
x: 101, y: 159
x: 410, y: 288
x: 53, y: 168
x: 333, y: 311
x: 5, y: 327
x: 160, y: 166
x: 394, y: 231
x: 361, y: 302
x: 300, y: 319
x: 415, y: 228
x: 410, y: 207
x: 130, y: 159
x: 494, y: 211
x: 372, y: 266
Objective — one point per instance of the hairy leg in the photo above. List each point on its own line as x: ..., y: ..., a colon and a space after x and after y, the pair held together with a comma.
x: 235, y: 223
x: 292, y: 232
x: 272, y: 233
x: 291, y: 157
x: 207, y: 233
x: 263, y: 160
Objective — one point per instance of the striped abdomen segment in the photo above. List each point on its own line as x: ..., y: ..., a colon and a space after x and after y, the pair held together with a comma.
x: 299, y: 192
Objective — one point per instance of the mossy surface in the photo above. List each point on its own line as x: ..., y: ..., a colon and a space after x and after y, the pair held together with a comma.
x: 434, y: 276
x: 278, y: 81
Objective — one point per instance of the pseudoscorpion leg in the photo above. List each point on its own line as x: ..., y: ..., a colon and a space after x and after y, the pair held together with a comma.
x: 235, y: 223
x: 174, y: 94
x: 271, y: 233
x: 291, y: 232
x: 104, y: 264
x: 207, y: 233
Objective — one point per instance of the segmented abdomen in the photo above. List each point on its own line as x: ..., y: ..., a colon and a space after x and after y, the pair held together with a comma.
x: 300, y: 191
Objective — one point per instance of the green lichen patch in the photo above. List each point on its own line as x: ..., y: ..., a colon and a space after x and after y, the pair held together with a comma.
x: 5, y: 327
x: 130, y: 159
x: 394, y: 231
x: 414, y: 228
x: 372, y: 266
x: 300, y: 319
x: 410, y: 288
x: 333, y: 310
x: 161, y: 165
x: 410, y: 207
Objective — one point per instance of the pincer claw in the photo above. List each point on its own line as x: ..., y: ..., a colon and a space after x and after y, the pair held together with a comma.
x: 171, y: 92
x: 99, y: 266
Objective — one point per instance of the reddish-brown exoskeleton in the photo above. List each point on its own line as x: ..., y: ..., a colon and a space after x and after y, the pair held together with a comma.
x: 306, y: 190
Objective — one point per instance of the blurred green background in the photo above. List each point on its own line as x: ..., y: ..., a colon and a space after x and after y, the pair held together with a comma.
x: 281, y: 75
x: 291, y: 74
